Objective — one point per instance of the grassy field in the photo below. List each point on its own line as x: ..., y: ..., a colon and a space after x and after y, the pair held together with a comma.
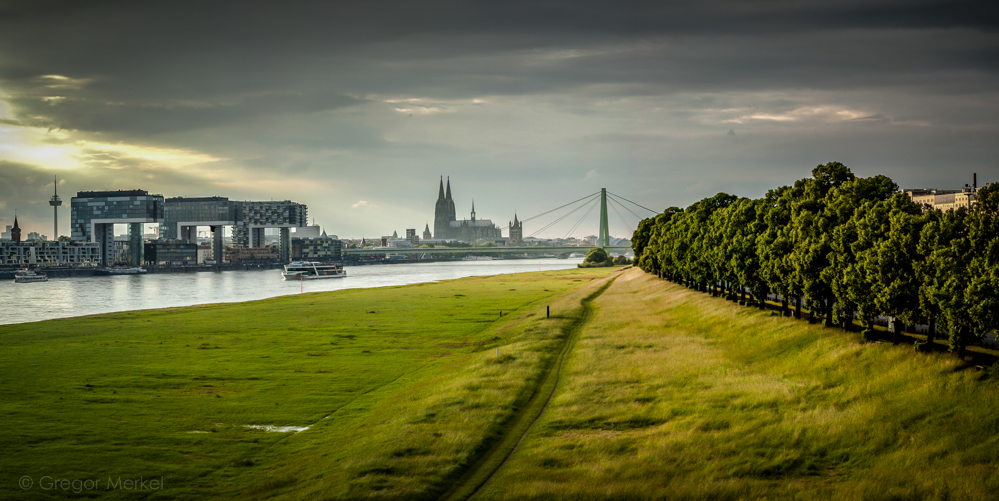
x: 656, y: 391
x: 672, y: 394
x: 401, y: 389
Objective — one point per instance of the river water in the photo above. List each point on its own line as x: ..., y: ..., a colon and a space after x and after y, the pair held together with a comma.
x: 72, y: 297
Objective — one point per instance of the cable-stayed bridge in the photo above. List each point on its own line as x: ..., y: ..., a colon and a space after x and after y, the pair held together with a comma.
x: 558, y: 215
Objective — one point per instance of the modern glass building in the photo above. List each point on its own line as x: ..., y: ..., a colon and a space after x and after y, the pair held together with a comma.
x: 324, y: 249
x: 94, y: 214
x: 182, y: 216
x: 48, y: 253
x: 171, y: 252
x: 254, y: 217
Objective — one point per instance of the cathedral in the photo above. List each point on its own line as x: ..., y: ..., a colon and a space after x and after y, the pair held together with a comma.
x: 447, y: 227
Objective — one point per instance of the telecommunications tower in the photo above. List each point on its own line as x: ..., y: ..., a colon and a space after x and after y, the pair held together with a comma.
x: 55, y: 202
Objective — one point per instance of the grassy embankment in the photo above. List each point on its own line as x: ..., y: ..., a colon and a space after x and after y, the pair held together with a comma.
x: 401, y: 387
x: 672, y: 394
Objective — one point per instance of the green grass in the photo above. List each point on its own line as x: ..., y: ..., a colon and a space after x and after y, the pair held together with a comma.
x: 663, y: 393
x: 401, y: 388
x: 672, y: 394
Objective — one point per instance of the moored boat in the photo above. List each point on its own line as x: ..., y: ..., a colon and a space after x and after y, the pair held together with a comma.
x: 119, y: 270
x: 310, y: 270
x: 29, y: 276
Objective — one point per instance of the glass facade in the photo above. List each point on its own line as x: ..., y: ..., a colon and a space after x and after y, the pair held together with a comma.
x: 316, y: 249
x: 94, y: 214
x: 252, y: 216
x: 171, y: 252
x: 179, y: 210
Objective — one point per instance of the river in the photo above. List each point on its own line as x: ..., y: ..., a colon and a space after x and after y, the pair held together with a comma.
x: 73, y: 297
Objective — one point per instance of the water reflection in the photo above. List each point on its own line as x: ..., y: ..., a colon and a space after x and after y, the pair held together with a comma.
x: 71, y: 297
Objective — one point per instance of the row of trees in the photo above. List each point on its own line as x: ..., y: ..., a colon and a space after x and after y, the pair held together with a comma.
x: 846, y: 248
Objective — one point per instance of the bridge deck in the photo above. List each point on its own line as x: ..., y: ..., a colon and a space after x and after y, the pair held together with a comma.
x: 481, y: 250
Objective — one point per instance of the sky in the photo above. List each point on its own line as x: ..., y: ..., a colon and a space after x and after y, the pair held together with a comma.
x: 358, y: 108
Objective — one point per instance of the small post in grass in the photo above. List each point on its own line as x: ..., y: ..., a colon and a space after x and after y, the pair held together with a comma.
x: 548, y: 312
x: 497, y: 352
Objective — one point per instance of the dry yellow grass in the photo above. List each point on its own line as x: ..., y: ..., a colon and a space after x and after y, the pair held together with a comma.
x: 672, y: 394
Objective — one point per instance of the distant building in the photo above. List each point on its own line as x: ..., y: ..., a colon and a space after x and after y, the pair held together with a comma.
x: 35, y: 236
x: 312, y: 231
x: 267, y: 254
x: 426, y: 233
x: 171, y: 252
x: 15, y: 232
x: 48, y: 253
x: 516, y: 231
x: 324, y: 249
x: 248, y: 220
x: 946, y: 199
x: 412, y: 236
x: 94, y: 214
x: 204, y: 253
x: 447, y: 227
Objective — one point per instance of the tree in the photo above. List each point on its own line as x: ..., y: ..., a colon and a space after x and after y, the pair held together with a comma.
x: 945, y: 243
x: 597, y: 257
x: 774, y: 244
x: 858, y: 224
x: 891, y: 234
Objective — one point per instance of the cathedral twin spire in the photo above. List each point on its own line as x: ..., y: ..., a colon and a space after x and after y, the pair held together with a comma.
x: 440, y: 194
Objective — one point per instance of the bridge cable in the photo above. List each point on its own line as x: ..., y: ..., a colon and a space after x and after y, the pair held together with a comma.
x: 549, y: 225
x: 592, y: 205
x: 627, y: 209
x: 553, y: 223
x: 642, y: 206
x: 557, y: 208
x: 625, y: 223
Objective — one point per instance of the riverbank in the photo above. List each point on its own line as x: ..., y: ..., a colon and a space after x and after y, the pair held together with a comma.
x: 62, y: 298
x: 394, y: 388
x: 633, y: 388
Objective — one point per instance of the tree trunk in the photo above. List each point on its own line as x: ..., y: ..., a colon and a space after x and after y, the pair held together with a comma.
x: 962, y: 336
x: 829, y: 308
x: 931, y: 333
x: 893, y: 327
x: 797, y: 307
x: 783, y: 305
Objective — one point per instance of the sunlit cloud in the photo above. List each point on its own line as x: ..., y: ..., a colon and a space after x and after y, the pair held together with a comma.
x: 106, y: 153
x: 363, y: 203
x: 825, y: 113
x: 63, y: 82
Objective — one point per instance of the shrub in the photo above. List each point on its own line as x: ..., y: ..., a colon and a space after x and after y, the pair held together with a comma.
x: 597, y: 257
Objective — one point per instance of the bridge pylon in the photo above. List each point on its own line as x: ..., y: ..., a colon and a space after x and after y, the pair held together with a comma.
x: 604, y: 239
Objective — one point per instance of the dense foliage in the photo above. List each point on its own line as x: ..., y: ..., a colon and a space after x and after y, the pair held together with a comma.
x: 597, y: 258
x: 847, y: 249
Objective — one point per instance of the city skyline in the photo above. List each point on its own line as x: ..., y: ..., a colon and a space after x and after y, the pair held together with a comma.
x: 356, y: 110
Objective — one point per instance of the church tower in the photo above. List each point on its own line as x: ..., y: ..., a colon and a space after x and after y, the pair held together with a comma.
x: 452, y: 216
x: 516, y: 231
x: 15, y: 232
x: 444, y: 212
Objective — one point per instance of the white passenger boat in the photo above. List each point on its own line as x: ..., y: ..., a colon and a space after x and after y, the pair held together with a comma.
x: 309, y: 270
x: 28, y: 276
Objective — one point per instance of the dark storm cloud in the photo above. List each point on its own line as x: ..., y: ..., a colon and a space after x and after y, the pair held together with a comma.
x: 374, y: 98
x: 123, y: 117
